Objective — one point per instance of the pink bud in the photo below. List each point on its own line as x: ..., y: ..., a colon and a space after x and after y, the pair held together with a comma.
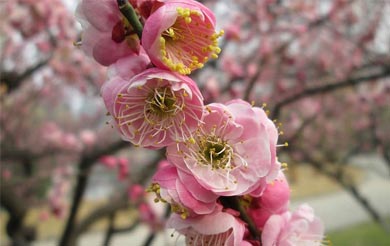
x: 88, y: 137
x: 123, y: 168
x: 108, y: 161
x: 136, y: 192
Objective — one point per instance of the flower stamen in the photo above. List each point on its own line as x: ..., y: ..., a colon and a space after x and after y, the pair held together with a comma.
x: 189, y: 42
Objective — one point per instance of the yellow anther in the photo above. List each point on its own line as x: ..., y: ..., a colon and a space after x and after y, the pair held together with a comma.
x: 171, y: 32
x: 162, y: 40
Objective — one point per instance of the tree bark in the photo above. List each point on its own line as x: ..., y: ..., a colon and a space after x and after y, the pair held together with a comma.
x: 19, y: 234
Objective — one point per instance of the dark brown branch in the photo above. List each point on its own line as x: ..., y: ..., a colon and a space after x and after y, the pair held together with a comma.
x: 99, y: 213
x: 84, y: 167
x: 234, y: 203
x: 72, y: 234
x: 338, y: 177
x: 13, y: 80
x: 19, y: 233
x: 149, y: 239
x: 152, y: 234
x: 360, y: 77
x: 261, y: 64
x: 110, y: 229
x: 20, y: 155
x: 301, y: 128
x: 386, y: 154
x: 91, y: 157
x: 378, y: 141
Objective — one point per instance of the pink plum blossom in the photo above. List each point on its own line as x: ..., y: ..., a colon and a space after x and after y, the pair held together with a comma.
x: 181, y: 190
x: 88, y: 137
x: 155, y: 108
x: 107, y: 36
x: 70, y: 141
x: 232, y: 32
x: 233, y: 152
x: 129, y: 66
x: 232, y: 67
x: 108, y: 160
x: 180, y: 36
x: 57, y: 207
x: 218, y: 228
x: 51, y: 133
x: 58, y: 194
x: 152, y: 213
x: 274, y: 200
x: 136, y: 192
x: 122, y: 165
x: 148, y: 216
x: 300, y: 227
x: 123, y: 168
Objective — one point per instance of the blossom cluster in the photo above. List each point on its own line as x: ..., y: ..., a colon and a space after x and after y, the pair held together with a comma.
x: 222, y: 177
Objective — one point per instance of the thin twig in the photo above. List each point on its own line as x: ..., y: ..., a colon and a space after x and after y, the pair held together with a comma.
x: 234, y: 203
x: 330, y: 87
x: 84, y: 166
x: 129, y: 13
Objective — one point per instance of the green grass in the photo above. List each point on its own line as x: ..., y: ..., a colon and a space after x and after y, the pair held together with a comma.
x: 367, y: 234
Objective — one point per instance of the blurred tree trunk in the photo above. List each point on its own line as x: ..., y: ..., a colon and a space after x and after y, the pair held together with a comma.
x: 19, y: 234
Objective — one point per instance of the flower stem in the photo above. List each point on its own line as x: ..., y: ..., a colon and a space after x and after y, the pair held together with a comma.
x: 234, y: 203
x: 129, y: 13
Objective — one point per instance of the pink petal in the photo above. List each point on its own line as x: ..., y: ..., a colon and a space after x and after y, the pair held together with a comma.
x: 103, y: 15
x: 110, y: 90
x: 106, y: 51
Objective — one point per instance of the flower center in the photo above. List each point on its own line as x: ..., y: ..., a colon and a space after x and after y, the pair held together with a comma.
x: 215, y: 152
x: 189, y: 42
x: 162, y: 102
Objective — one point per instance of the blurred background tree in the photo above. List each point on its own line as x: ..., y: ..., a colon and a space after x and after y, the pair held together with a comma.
x: 322, y: 68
